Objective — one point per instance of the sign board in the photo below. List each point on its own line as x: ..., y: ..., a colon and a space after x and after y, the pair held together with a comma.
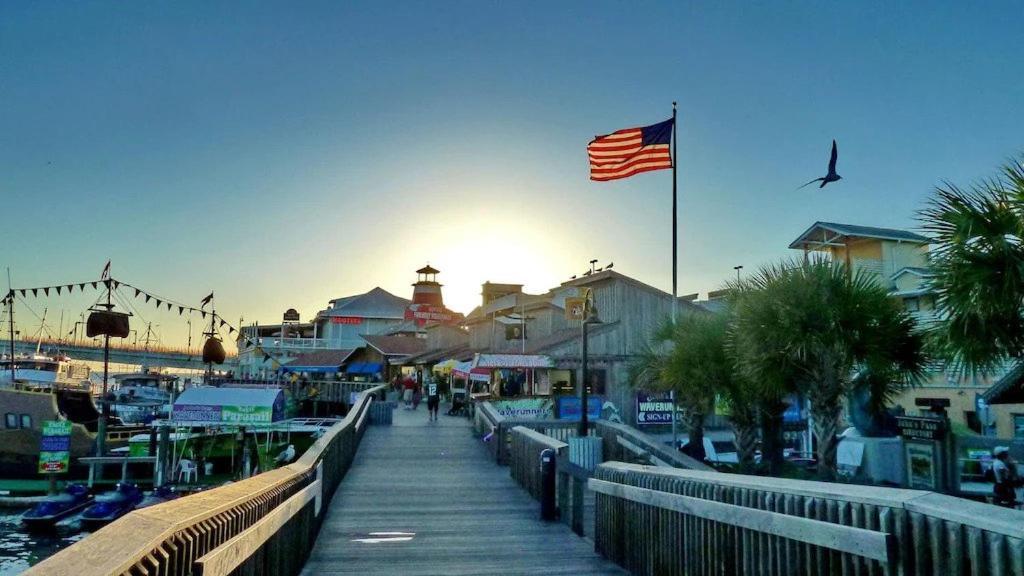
x: 429, y: 313
x: 224, y: 414
x: 653, y: 408
x: 291, y: 315
x: 574, y: 308
x: 524, y: 408
x: 921, y: 466
x: 920, y: 428
x: 569, y: 408
x: 55, y: 447
x: 346, y: 320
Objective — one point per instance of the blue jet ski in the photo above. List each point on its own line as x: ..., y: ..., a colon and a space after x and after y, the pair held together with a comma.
x: 111, y: 505
x: 159, y: 496
x: 48, y: 512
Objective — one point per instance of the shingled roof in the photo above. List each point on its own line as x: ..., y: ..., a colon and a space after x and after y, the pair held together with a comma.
x: 396, y: 345
x: 377, y: 303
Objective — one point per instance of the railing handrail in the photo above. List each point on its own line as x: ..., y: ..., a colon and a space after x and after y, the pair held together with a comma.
x: 1003, y: 521
x: 143, y: 531
x: 673, y: 457
x: 539, y: 438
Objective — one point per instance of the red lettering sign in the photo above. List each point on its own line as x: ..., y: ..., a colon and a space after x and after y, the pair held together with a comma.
x: 346, y: 320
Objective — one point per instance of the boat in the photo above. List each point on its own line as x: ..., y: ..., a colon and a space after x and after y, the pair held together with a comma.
x: 45, y: 372
x: 159, y: 496
x: 140, y: 397
x: 47, y: 513
x: 110, y: 506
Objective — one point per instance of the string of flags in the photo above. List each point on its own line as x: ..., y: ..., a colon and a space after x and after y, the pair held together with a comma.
x: 160, y: 302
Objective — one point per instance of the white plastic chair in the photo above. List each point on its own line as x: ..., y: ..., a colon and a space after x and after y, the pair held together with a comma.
x: 188, y: 469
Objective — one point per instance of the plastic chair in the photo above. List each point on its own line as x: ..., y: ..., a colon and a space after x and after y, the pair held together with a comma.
x: 188, y: 469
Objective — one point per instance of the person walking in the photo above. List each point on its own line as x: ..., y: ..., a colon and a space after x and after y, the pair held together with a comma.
x: 417, y: 396
x: 1004, y: 469
x: 433, y: 399
x: 407, y: 392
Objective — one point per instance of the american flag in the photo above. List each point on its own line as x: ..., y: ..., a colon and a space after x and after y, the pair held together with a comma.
x: 631, y: 151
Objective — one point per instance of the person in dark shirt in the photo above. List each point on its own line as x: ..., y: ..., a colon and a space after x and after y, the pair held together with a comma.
x: 433, y: 399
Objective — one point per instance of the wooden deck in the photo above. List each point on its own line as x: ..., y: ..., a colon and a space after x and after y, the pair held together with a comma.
x: 426, y: 498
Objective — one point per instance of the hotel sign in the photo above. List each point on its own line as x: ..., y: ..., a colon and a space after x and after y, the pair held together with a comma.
x: 918, y: 428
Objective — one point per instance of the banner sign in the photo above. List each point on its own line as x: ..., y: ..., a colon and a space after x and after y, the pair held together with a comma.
x: 224, y: 414
x: 574, y: 308
x: 569, y: 408
x: 429, y: 313
x: 653, y: 408
x: 55, y: 447
x: 346, y: 320
x: 524, y: 408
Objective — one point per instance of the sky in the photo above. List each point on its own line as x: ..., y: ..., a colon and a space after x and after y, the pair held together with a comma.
x: 284, y: 154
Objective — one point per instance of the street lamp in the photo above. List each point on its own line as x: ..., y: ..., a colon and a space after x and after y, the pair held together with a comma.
x: 737, y: 269
x: 589, y: 317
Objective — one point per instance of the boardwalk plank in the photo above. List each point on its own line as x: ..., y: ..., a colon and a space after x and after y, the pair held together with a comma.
x: 463, y: 513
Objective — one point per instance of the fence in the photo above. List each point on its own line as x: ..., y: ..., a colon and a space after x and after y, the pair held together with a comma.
x: 487, y: 421
x: 266, y: 524
x: 627, y: 444
x: 524, y: 466
x: 672, y: 521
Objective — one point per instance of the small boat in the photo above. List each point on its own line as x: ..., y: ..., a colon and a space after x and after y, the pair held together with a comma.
x: 159, y: 496
x: 110, y: 506
x: 47, y: 513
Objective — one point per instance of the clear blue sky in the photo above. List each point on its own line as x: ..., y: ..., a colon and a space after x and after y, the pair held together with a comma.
x: 285, y: 154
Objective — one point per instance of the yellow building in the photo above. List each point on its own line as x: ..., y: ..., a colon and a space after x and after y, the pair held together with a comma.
x: 899, y: 259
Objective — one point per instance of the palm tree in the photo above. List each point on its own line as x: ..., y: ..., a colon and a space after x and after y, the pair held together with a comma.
x: 815, y: 326
x: 686, y: 358
x: 978, y: 262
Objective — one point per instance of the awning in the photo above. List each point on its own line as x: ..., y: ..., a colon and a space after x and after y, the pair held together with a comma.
x: 512, y: 361
x: 364, y: 368
x: 445, y: 366
x: 321, y: 361
x: 1009, y: 389
x: 466, y: 371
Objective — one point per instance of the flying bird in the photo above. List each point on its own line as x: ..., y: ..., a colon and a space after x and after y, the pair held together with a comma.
x: 286, y: 455
x: 831, y: 176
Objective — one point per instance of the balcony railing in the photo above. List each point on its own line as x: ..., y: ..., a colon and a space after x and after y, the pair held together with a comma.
x: 272, y: 342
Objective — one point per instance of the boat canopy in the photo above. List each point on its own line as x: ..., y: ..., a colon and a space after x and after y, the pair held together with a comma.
x: 229, y: 406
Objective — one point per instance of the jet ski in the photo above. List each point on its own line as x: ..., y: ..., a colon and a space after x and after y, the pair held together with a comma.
x: 159, y: 496
x: 110, y: 506
x: 48, y: 512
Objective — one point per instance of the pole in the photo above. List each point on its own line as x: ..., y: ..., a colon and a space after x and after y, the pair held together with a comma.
x: 101, y: 428
x: 675, y: 238
x: 582, y: 432
x: 675, y: 431
x: 10, y: 321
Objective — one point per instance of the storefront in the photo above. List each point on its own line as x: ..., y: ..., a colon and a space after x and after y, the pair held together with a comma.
x: 515, y: 375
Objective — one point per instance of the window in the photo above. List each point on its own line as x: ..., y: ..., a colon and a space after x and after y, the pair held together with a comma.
x: 26, y: 421
x: 972, y: 420
x: 11, y: 420
x: 1018, y: 425
x: 913, y: 304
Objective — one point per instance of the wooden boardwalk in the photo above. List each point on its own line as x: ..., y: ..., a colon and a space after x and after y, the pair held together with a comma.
x: 426, y: 498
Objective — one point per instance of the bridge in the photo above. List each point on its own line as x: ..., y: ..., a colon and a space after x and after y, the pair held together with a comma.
x: 163, y: 357
x: 387, y: 492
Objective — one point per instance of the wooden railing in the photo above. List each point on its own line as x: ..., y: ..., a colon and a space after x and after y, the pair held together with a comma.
x: 266, y: 524
x: 487, y: 420
x: 624, y: 443
x: 671, y: 521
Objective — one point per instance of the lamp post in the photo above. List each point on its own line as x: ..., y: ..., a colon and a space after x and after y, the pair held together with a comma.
x: 737, y: 269
x: 589, y: 317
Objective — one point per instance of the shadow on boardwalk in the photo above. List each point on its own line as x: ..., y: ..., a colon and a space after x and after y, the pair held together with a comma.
x: 425, y: 498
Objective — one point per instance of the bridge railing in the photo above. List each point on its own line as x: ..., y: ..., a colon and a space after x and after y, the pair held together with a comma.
x: 624, y: 443
x: 487, y: 420
x: 670, y: 521
x: 266, y: 524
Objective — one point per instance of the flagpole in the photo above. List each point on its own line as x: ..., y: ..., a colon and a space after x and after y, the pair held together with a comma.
x: 675, y: 240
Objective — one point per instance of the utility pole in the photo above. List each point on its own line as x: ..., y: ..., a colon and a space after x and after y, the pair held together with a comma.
x: 10, y: 322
